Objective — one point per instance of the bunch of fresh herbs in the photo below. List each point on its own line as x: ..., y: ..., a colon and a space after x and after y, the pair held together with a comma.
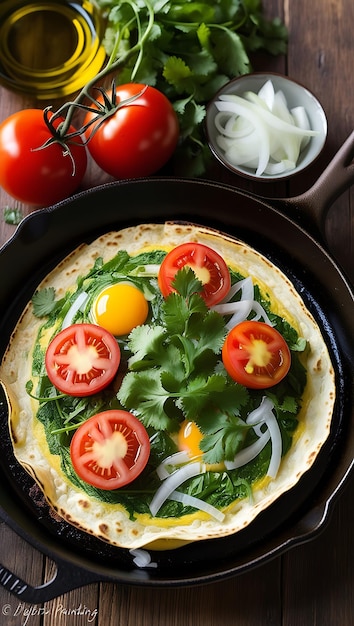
x: 189, y: 52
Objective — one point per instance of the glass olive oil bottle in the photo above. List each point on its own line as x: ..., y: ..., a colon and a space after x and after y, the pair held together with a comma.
x: 49, y: 49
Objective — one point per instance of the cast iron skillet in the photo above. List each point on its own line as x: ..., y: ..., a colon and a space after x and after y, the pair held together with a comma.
x: 285, y: 231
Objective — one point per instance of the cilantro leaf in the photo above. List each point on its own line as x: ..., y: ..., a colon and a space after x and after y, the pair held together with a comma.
x: 12, y: 215
x: 178, y: 311
x: 197, y: 393
x: 44, y: 302
x: 230, y: 53
x: 179, y: 74
x: 288, y: 405
x: 224, y: 441
x: 229, y: 402
x: 186, y: 283
x: 143, y: 392
x: 223, y: 429
x: 210, y: 334
x: 147, y: 344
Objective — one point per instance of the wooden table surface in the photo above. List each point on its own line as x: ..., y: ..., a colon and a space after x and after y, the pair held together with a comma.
x: 312, y: 584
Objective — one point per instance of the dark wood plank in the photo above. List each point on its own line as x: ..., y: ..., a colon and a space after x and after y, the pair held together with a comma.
x: 75, y: 608
x: 321, y: 47
x: 319, y: 576
x: 249, y: 599
x: 26, y: 563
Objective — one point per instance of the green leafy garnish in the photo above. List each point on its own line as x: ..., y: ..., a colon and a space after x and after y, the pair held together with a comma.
x: 12, y: 215
x: 191, y: 51
x: 173, y: 371
x: 44, y: 302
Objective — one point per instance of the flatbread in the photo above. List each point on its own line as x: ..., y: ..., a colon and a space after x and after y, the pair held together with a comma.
x: 110, y: 522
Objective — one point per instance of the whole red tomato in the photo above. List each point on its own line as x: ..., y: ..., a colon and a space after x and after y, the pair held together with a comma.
x: 139, y: 137
x: 33, y: 176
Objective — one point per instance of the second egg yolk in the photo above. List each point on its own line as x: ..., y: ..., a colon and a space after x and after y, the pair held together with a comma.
x: 189, y: 437
x: 119, y: 308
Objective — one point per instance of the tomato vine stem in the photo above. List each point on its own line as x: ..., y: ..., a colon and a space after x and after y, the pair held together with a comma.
x: 62, y: 134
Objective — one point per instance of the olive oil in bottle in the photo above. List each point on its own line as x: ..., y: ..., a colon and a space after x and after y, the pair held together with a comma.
x: 49, y: 49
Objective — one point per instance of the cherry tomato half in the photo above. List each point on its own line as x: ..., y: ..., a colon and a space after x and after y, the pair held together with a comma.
x: 256, y: 355
x: 82, y: 359
x: 33, y: 176
x: 110, y: 449
x: 207, y: 265
x: 139, y: 138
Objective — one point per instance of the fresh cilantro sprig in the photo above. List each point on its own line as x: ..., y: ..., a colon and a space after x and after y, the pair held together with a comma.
x: 191, y: 51
x: 173, y: 372
x: 44, y: 302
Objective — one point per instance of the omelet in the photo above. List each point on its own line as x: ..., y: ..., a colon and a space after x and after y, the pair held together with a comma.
x: 118, y: 519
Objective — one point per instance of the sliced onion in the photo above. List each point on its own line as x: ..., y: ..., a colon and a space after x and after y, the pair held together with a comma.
x: 277, y: 136
x: 232, y: 126
x: 280, y: 108
x: 280, y: 167
x: 173, y: 482
x: 246, y: 287
x: 259, y: 126
x: 255, y: 99
x: 261, y: 416
x: 240, y: 312
x: 254, y: 306
x: 260, y: 313
x: 178, y: 458
x: 302, y: 121
x: 267, y: 93
x: 248, y: 454
x: 197, y: 503
x: 276, y: 440
x: 150, y: 269
x: 264, y: 415
x: 258, y: 414
x: 240, y: 106
x: 76, y: 306
x: 142, y: 558
x: 229, y: 308
x: 240, y: 309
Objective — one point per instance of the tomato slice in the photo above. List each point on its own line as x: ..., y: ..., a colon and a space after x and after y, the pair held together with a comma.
x: 256, y: 355
x: 82, y: 359
x: 110, y: 449
x: 209, y: 267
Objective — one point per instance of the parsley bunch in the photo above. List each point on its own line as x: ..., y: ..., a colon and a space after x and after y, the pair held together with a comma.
x: 175, y: 372
x: 193, y: 48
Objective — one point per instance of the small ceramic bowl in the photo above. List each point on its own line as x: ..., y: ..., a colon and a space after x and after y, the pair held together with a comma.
x: 296, y: 95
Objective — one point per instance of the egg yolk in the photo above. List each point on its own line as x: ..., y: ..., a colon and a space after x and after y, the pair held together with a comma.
x: 189, y: 438
x: 119, y: 308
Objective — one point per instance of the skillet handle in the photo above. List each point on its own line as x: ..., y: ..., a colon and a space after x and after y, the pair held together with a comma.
x: 335, y: 179
x: 66, y: 579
